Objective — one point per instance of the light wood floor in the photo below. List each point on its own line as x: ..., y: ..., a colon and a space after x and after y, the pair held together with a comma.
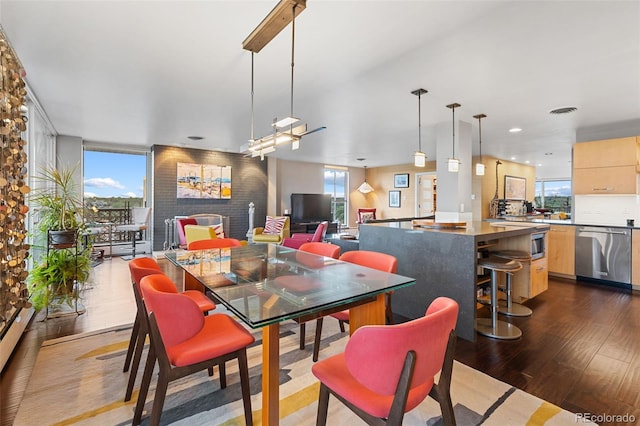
x: 580, y: 349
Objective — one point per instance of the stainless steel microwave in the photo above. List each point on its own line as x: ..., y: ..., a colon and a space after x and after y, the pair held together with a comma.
x: 537, y: 245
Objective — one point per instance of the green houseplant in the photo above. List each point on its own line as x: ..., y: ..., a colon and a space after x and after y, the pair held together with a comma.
x: 58, y: 276
x: 58, y: 204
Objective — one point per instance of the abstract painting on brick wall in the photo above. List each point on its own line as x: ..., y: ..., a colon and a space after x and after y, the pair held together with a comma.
x: 203, y: 181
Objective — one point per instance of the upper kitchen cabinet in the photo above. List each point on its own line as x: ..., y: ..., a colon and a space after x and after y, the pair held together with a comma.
x: 607, y: 153
x: 606, y: 167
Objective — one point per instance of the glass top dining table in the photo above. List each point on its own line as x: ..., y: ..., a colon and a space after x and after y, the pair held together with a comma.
x: 265, y: 284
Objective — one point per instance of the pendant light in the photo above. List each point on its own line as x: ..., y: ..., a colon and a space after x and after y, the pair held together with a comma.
x: 480, y: 165
x: 288, y: 129
x: 419, y: 157
x: 365, y: 188
x: 453, y: 164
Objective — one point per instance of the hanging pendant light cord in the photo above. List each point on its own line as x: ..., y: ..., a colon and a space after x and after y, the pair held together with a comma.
x: 480, y: 136
x: 293, y: 42
x: 419, y: 124
x: 453, y: 111
x: 252, y: 96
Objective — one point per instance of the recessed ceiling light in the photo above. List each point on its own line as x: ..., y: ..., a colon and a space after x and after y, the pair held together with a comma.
x: 195, y: 138
x: 515, y: 129
x: 563, y: 110
x: 539, y: 164
x: 527, y: 162
x: 513, y: 158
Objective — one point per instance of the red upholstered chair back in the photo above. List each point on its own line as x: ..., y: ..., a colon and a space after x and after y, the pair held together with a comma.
x: 322, y: 249
x: 141, y: 267
x: 372, y: 259
x: 171, y: 310
x: 144, y: 262
x: 214, y: 243
x: 375, y: 354
x: 321, y: 231
x: 181, y: 224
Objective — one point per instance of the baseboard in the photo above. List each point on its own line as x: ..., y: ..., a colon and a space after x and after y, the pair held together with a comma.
x: 12, y: 337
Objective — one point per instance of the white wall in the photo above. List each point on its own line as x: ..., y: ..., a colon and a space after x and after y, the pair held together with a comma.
x: 291, y: 177
x: 611, y: 210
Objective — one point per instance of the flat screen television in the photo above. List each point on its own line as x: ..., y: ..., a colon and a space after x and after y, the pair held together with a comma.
x: 310, y: 207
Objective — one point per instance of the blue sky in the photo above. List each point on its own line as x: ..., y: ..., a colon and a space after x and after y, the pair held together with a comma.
x: 108, y: 174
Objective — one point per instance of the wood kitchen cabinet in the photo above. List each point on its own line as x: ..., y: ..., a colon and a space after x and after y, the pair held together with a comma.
x: 606, y: 167
x: 561, y: 250
x: 533, y: 278
x: 605, y: 180
x: 607, y: 153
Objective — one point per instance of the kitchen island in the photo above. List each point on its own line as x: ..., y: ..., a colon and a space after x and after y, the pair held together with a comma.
x: 444, y: 263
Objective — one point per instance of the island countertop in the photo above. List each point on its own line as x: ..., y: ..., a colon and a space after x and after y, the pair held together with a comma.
x: 480, y: 230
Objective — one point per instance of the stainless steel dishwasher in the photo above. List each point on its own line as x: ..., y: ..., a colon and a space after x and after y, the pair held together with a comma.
x: 604, y: 253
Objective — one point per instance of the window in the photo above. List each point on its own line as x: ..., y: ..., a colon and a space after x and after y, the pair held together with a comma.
x: 554, y: 195
x: 335, y: 183
x: 113, y: 183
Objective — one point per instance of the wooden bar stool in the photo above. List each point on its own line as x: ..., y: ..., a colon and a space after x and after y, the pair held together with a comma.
x: 508, y: 307
x: 492, y: 327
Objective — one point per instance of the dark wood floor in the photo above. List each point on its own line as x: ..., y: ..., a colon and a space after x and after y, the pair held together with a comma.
x: 580, y: 349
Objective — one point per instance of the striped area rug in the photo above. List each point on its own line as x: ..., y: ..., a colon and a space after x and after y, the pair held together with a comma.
x: 78, y: 380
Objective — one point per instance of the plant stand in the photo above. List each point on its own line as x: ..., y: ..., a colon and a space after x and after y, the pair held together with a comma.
x: 59, y: 308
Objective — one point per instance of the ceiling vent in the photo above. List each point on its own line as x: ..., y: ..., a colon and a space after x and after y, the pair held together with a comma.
x: 563, y: 110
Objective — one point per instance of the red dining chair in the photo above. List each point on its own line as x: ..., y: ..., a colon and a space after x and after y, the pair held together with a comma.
x: 388, y: 370
x: 371, y: 259
x: 198, y: 343
x: 321, y: 249
x: 214, y: 243
x: 140, y: 268
x: 151, y: 265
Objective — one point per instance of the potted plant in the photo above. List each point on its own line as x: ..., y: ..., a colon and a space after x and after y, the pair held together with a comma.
x: 58, y: 205
x: 58, y: 277
x: 66, y: 265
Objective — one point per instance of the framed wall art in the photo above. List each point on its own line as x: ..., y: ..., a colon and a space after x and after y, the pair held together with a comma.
x: 401, y: 180
x: 515, y: 188
x: 204, y: 181
x: 394, y: 198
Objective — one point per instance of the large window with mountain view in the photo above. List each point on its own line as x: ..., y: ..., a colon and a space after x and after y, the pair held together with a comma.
x: 113, y: 183
x: 554, y: 195
x: 336, y: 182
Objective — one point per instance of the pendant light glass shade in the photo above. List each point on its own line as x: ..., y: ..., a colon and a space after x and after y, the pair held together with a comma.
x: 365, y: 188
x: 453, y: 164
x: 480, y: 166
x: 419, y: 157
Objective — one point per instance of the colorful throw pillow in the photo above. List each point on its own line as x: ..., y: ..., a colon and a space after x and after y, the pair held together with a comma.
x: 274, y: 225
x: 366, y: 217
x: 218, y: 230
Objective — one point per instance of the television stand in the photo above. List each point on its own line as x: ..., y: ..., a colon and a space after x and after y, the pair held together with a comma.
x: 310, y: 227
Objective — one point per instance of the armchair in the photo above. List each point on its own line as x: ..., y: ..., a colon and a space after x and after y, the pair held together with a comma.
x: 139, y: 222
x: 296, y: 240
x: 275, y: 230
x: 365, y: 215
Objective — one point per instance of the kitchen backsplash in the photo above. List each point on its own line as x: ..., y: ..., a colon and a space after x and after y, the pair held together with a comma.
x: 611, y: 210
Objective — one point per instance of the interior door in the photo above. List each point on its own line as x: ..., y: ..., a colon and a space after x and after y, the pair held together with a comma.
x: 425, y: 194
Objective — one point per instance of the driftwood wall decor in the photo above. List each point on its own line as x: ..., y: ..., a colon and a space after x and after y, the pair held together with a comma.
x: 13, y: 185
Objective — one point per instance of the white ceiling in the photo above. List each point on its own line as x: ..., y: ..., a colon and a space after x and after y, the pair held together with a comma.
x: 155, y: 72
